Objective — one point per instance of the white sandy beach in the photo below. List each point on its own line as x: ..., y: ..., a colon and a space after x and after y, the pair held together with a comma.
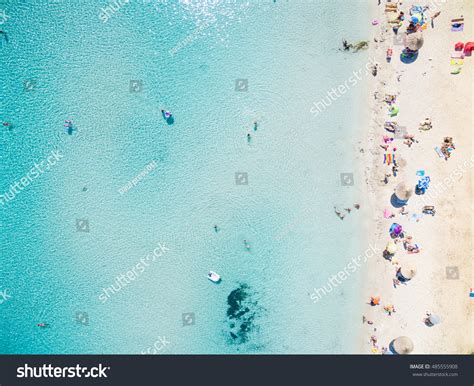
x: 426, y: 88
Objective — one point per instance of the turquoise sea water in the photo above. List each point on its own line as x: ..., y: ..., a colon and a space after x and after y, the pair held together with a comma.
x: 185, y: 57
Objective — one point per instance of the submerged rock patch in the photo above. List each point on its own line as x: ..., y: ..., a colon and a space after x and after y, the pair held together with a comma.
x: 241, y: 313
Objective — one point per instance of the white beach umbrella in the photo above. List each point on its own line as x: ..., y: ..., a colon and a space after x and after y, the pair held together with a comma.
x: 403, y: 345
x: 408, y: 271
x: 403, y: 191
x: 414, y: 41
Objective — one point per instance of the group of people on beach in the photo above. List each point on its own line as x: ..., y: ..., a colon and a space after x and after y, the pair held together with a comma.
x: 391, y: 126
x: 348, y: 210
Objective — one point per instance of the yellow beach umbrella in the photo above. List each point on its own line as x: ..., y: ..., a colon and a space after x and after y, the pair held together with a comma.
x: 391, y: 247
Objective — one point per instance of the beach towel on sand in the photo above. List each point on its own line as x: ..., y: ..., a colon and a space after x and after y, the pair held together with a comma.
x: 457, y: 62
x: 388, y: 158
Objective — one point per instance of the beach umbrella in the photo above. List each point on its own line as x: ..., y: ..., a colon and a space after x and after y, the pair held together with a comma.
x: 403, y: 345
x: 424, y: 182
x: 395, y: 229
x: 391, y: 247
x: 394, y: 110
x: 414, y: 41
x: 403, y: 192
x: 408, y: 272
x: 401, y: 162
x: 434, y: 319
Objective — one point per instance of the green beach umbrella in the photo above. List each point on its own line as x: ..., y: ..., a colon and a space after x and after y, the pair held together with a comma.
x: 394, y: 110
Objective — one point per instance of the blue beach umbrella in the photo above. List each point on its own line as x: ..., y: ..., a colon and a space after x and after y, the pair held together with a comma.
x: 423, y: 183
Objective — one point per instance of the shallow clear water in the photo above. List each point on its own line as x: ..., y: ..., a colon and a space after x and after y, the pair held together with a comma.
x: 80, y: 68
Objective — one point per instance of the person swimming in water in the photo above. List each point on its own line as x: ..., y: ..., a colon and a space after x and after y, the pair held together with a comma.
x: 167, y: 114
x: 255, y: 126
x: 247, y: 245
x: 249, y: 137
x: 216, y: 229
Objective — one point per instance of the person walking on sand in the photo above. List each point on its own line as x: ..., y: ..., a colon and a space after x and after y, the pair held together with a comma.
x: 247, y: 245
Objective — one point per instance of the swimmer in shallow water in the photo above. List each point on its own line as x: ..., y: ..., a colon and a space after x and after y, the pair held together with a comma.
x: 247, y: 245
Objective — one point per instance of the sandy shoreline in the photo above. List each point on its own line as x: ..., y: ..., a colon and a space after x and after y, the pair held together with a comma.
x: 425, y: 89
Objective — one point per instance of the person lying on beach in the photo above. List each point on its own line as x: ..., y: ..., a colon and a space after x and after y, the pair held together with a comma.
x: 373, y: 340
x: 375, y: 69
x: 413, y: 248
x: 389, y: 308
x: 411, y: 28
x: 403, y: 211
x: 409, y: 139
x: 426, y: 124
x: 447, y: 147
x: 394, y: 171
x: 407, y: 241
x: 390, y: 126
x: 385, y: 180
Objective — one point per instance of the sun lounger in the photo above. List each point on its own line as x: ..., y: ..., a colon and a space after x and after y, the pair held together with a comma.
x: 457, y: 55
x: 457, y: 25
x: 438, y: 150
